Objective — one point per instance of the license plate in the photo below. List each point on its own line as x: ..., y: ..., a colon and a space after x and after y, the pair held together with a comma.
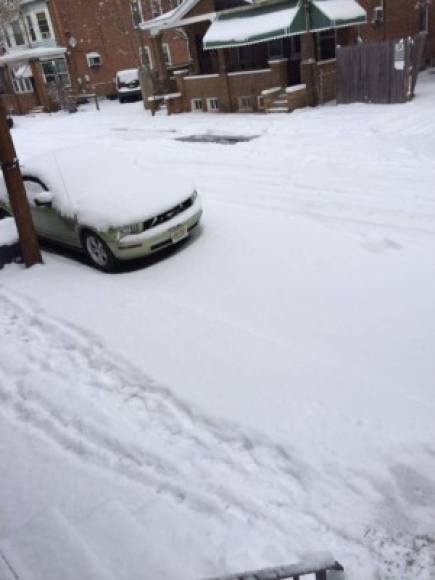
x: 179, y: 233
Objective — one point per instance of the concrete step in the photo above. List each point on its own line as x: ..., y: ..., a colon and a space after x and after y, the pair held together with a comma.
x: 277, y: 110
x: 278, y: 102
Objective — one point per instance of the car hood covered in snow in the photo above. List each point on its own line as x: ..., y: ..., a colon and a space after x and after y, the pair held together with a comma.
x: 106, y: 187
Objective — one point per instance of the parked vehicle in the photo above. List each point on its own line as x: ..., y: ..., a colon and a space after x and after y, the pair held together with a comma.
x: 128, y: 86
x: 121, y: 215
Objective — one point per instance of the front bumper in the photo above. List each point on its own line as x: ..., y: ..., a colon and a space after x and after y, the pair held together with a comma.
x: 151, y: 241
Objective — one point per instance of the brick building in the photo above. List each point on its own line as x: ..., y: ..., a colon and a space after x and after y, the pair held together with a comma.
x: 393, y: 19
x: 275, y: 55
x: 85, y: 42
x: 82, y: 43
x: 102, y: 38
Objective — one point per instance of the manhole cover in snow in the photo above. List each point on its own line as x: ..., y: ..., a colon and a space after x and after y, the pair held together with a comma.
x: 221, y: 139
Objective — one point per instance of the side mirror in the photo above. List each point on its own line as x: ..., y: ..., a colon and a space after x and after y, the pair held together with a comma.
x: 43, y: 199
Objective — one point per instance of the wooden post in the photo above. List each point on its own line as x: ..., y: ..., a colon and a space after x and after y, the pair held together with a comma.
x: 222, y: 64
x: 40, y: 85
x: 159, y: 59
x: 308, y: 67
x: 17, y: 195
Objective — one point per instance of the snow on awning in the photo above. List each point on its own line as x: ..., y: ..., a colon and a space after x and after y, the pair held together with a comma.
x: 256, y: 24
x: 24, y: 55
x: 326, y: 14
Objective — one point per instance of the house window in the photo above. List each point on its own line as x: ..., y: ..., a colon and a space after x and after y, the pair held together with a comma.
x: 167, y: 54
x: 44, y: 27
x: 136, y: 12
x: 56, y: 71
x: 326, y: 41
x: 245, y: 104
x: 22, y: 79
x: 31, y: 28
x: 213, y: 105
x: 94, y: 59
x: 17, y: 33
x: 145, y: 56
x: 275, y: 48
x: 260, y: 102
x: 424, y: 17
x: 196, y: 105
x: 245, y: 57
x: 156, y: 8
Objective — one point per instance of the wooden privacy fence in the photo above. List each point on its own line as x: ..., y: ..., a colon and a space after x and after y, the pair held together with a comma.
x: 379, y: 72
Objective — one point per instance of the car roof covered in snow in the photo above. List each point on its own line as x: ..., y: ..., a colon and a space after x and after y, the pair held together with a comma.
x: 104, y: 187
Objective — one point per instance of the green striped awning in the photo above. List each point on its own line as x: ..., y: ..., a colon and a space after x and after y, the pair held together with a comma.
x: 256, y: 24
x: 326, y: 14
x: 271, y: 21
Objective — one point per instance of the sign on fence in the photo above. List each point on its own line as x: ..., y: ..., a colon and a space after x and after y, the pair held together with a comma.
x: 379, y: 72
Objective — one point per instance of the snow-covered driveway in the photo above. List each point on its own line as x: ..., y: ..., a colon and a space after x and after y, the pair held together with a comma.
x: 294, y: 338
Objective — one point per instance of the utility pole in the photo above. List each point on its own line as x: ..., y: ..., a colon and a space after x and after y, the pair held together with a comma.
x: 17, y: 194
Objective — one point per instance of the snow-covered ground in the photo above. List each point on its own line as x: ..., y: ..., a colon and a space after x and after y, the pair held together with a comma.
x: 265, y: 391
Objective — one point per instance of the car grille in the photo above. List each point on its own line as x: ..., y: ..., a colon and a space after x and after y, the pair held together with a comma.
x: 168, y: 215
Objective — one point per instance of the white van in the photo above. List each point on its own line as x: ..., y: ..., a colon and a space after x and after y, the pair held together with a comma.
x: 127, y: 85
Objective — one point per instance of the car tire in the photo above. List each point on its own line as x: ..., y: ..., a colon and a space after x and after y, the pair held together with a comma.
x: 4, y: 213
x: 98, y: 252
x: 122, y: 101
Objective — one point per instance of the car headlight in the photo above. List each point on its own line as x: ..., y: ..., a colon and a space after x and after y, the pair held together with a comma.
x: 131, y: 229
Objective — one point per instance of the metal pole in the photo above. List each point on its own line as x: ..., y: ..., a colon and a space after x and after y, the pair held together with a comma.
x: 17, y: 194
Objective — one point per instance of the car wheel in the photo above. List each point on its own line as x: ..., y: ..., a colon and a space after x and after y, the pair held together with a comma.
x: 121, y: 101
x: 98, y: 252
x: 4, y: 213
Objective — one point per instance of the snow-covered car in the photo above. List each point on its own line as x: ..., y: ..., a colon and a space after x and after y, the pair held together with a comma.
x: 127, y: 85
x: 108, y: 204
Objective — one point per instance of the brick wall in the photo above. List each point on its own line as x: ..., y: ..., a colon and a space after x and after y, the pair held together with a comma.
x: 105, y: 27
x: 228, y: 88
x: 401, y: 19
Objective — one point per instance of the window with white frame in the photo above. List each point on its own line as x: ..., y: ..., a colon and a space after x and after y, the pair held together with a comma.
x: 136, y: 12
x: 145, y: 56
x: 31, y: 28
x: 5, y: 37
x: 424, y: 16
x: 326, y: 42
x: 43, y: 25
x: 245, y: 104
x: 213, y: 105
x: 166, y: 53
x: 17, y: 33
x: 94, y: 59
x: 56, y: 71
x: 196, y: 105
x: 156, y: 8
x: 22, y: 79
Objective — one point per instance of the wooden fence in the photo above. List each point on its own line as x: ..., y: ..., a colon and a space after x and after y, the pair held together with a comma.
x: 379, y: 72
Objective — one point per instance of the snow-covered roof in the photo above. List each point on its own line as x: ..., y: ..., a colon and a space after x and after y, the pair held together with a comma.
x: 257, y: 24
x: 335, y: 14
x: 26, y: 54
x: 337, y: 10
